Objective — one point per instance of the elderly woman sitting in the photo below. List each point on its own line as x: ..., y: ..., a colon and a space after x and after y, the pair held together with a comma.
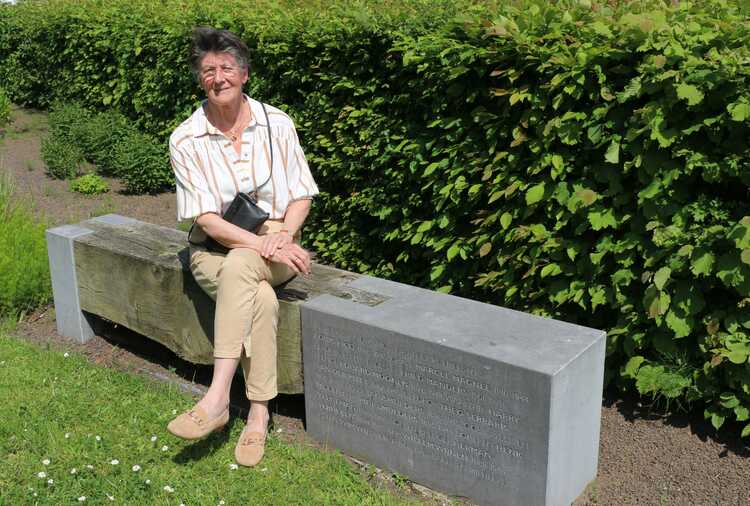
x: 233, y: 144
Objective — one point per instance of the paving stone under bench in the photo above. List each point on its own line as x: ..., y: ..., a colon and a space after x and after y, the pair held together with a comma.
x: 471, y: 399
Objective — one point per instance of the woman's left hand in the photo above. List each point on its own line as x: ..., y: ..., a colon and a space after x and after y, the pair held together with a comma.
x: 272, y: 242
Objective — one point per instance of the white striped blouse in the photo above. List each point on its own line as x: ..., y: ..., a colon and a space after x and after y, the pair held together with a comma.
x: 209, y: 172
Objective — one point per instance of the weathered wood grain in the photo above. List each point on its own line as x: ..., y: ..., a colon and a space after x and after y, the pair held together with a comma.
x: 138, y: 276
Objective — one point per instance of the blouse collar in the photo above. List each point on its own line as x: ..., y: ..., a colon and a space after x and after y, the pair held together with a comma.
x: 201, y: 125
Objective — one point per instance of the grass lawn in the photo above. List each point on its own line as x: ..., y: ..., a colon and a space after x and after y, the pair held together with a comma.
x: 72, y: 431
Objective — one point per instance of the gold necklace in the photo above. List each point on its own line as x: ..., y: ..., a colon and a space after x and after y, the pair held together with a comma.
x: 235, y: 132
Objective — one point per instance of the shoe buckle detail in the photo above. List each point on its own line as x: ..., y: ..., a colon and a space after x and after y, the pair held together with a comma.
x: 197, y: 419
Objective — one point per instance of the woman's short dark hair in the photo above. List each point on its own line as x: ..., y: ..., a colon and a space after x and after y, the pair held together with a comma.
x: 210, y: 40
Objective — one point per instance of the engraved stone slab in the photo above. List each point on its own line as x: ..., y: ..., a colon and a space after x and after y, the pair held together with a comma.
x: 472, y: 399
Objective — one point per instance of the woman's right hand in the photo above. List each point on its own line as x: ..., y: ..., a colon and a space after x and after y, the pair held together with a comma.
x: 293, y: 255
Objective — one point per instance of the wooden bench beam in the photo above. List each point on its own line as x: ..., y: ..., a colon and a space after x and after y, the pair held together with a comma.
x: 137, y: 274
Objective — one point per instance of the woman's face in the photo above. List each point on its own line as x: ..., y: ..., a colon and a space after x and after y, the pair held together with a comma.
x: 222, y: 79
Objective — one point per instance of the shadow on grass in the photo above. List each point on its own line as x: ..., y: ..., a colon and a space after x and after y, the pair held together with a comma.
x: 633, y: 407
x: 203, y: 447
x: 194, y: 378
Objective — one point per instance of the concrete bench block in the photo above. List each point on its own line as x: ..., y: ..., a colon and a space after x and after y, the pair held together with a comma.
x: 71, y: 320
x: 472, y: 399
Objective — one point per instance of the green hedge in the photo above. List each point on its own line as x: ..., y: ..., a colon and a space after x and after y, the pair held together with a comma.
x: 574, y: 160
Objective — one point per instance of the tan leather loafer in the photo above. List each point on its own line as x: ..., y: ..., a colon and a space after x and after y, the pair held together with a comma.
x: 195, y: 424
x: 250, y: 448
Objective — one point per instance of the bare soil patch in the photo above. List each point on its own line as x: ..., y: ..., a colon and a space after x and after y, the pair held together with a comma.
x: 647, y: 456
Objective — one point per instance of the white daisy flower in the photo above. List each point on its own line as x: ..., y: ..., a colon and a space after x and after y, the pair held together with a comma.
x: 89, y: 466
x: 67, y: 435
x: 148, y: 482
x: 41, y: 474
x: 114, y: 462
x: 136, y: 468
x: 164, y: 448
x: 66, y: 355
x: 82, y: 498
x: 50, y: 481
x: 45, y: 462
x: 34, y: 494
x: 233, y: 466
x: 153, y: 438
x: 98, y: 438
x: 221, y: 503
x: 174, y: 411
x: 110, y: 497
x: 73, y: 471
x: 168, y: 489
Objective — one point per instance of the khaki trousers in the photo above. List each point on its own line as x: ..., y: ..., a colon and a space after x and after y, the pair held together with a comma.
x: 241, y: 282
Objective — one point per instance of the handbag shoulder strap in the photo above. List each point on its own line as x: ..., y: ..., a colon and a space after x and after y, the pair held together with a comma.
x: 270, y: 148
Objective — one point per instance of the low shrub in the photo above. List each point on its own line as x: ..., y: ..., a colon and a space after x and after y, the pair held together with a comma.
x: 67, y: 121
x: 143, y: 164
x: 111, y: 142
x: 61, y: 158
x: 99, y: 137
x: 4, y: 108
x: 89, y: 184
x: 24, y: 268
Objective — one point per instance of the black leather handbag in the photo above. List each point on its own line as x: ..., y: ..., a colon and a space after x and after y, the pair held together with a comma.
x: 243, y: 212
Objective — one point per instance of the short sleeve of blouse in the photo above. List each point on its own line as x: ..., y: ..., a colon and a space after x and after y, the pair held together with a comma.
x: 193, y: 194
x: 301, y: 183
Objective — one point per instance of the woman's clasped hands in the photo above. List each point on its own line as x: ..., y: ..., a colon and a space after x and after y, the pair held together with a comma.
x: 280, y: 248
x: 272, y: 242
